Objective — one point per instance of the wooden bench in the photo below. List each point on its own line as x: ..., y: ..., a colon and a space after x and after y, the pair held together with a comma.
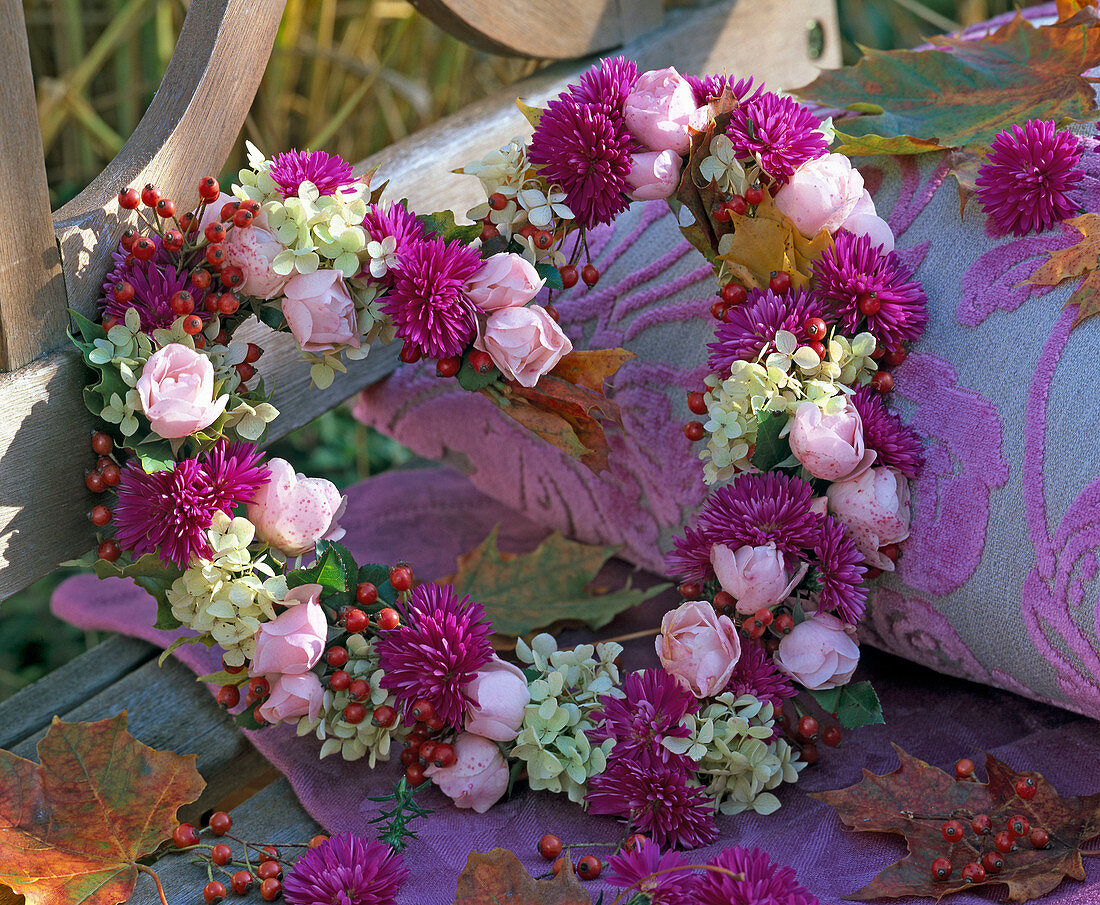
x: 55, y: 260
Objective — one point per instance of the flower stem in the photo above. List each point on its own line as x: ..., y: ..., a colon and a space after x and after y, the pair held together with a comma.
x: 152, y: 873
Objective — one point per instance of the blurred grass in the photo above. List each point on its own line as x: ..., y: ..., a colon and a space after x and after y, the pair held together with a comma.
x: 351, y: 75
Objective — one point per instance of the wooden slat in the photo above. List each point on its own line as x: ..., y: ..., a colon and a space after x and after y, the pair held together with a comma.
x: 42, y: 516
x: 32, y: 292
x: 561, y: 30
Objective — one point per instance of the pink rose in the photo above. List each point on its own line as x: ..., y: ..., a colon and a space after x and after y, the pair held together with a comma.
x: 821, y: 194
x: 252, y: 249
x: 653, y: 175
x: 498, y: 695
x: 660, y: 108
x: 819, y: 653
x: 865, y: 221
x: 292, y: 512
x: 524, y: 343
x: 293, y: 696
x: 292, y: 643
x: 698, y: 647
x: 875, y: 509
x: 756, y: 576
x: 478, y: 777
x: 830, y: 447
x: 505, y: 280
x: 320, y: 312
x: 176, y: 387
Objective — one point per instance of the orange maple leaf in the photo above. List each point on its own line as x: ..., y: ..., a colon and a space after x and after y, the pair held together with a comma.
x: 1083, y: 258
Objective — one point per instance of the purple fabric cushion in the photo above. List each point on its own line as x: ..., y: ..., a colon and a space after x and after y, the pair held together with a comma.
x: 933, y: 717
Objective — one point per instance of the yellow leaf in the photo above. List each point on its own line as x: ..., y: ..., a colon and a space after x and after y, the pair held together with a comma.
x: 1067, y: 9
x: 1066, y: 263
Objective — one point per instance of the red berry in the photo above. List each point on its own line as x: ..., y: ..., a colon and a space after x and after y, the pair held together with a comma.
x: 890, y: 551
x: 809, y: 754
x: 401, y: 577
x: 245, y: 370
x: 339, y: 680
x: 229, y: 696
x: 569, y: 276
x: 242, y: 219
x: 448, y: 367
x: 270, y: 853
x: 721, y: 213
x: 590, y: 275
x: 213, y: 891
x: 259, y: 687
x: 694, y: 431
x: 241, y: 882
x: 269, y: 870
x: 200, y: 279
x: 868, y: 304
x: 336, y: 656
x: 783, y: 624
x: 544, y: 239
x: 725, y: 604
x: 1039, y: 838
x: 359, y: 689
x: 355, y: 713
x: 357, y: 621
x: 718, y: 310
x: 221, y: 854
x: 215, y: 232
x: 633, y: 843
x: 480, y: 361
x: 1004, y: 841
x: 590, y: 867
x: 737, y: 205
x: 831, y: 736
x: 895, y: 356
x: 228, y: 303
x: 422, y: 711
x: 993, y: 862
x: 1019, y: 825
x: 807, y: 728
x: 444, y: 755
x: 185, y: 835
x: 964, y: 768
x: 366, y: 593
x: 690, y: 590
x: 498, y: 201
x: 189, y: 222
x: 1026, y: 787
x: 558, y: 865
x: 973, y: 872
x: 941, y: 869
x: 816, y: 329
x: 414, y: 774
x: 754, y: 195
x: 882, y: 381
x: 150, y: 195
x: 819, y: 350
x: 215, y: 255
x: 182, y: 303
x: 981, y: 825
x: 173, y: 240
x: 100, y: 514
x: 232, y: 277
x: 229, y: 209
x: 697, y: 403
x: 129, y: 237
x: 270, y: 889
x: 388, y: 618
x: 129, y: 199
x: 122, y: 291
x: 780, y: 282
x: 953, y: 831
x: 549, y: 846
x: 109, y: 550
x: 384, y: 716
x: 192, y: 325
x: 232, y: 670
x: 102, y: 444
x: 734, y: 294
x: 93, y: 480
x: 253, y: 354
x: 144, y: 249
x: 166, y: 208
x: 410, y: 756
x: 427, y: 751
x: 209, y: 188
x: 879, y: 350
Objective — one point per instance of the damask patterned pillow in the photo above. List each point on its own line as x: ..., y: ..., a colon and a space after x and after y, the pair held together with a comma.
x: 999, y: 580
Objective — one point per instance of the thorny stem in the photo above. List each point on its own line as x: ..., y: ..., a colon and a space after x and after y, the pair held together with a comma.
x: 152, y: 873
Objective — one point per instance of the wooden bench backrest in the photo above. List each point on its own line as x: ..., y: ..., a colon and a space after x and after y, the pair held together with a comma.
x: 51, y: 261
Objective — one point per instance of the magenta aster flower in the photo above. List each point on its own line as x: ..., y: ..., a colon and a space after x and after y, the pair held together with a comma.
x: 756, y: 673
x: 436, y: 654
x: 428, y: 302
x: 168, y: 512
x: 690, y: 556
x: 606, y: 85
x: 897, y: 444
x: 652, y: 709
x: 660, y: 802
x: 765, y: 883
x: 708, y: 87
x: 752, y: 326
x: 778, y: 131
x: 329, y: 172
x: 635, y: 869
x: 346, y: 870
x: 1027, y: 181
x: 394, y: 220
x: 864, y: 289
x: 585, y: 151
x: 840, y: 570
x: 155, y: 282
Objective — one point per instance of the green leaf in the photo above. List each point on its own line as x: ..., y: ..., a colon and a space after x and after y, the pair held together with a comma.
x: 89, y: 330
x: 962, y: 93
x: 328, y: 571
x: 165, y: 620
x: 855, y: 705
x: 473, y: 380
x: 246, y: 719
x: 225, y: 678
x: 379, y: 576
x: 872, y: 145
x: 442, y: 224
x: 156, y: 456
x: 551, y: 274
x: 828, y: 699
x: 771, y: 449
x: 522, y: 593
x: 272, y: 315
x: 205, y: 640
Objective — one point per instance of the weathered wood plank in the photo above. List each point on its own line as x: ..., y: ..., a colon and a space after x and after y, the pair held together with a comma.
x: 32, y: 291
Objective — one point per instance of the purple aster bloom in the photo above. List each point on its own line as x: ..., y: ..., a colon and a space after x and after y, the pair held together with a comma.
x: 1027, y: 181
x: 765, y: 883
x: 752, y: 326
x: 155, y: 282
x: 840, y: 570
x: 346, y: 870
x: 635, y: 869
x: 708, y: 87
x: 779, y: 131
x: 606, y: 85
x: 436, y: 654
x: 169, y: 512
x: 652, y: 709
x: 660, y: 802
x: 585, y: 151
x: 394, y: 220
x: 690, y: 556
x: 756, y: 673
x: 865, y: 289
x: 429, y: 303
x: 328, y: 172
x: 897, y: 444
